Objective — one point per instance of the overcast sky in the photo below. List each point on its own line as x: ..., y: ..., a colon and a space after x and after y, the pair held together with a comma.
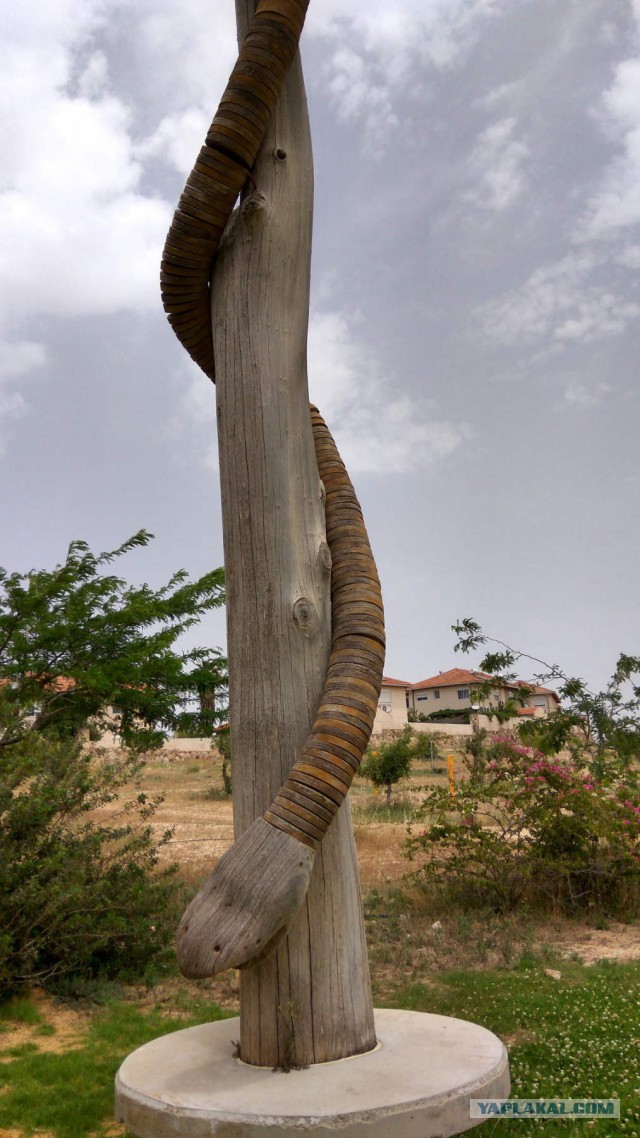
x: 475, y: 317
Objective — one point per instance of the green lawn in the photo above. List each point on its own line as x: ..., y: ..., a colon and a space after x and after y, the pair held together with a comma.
x: 578, y: 1036
x: 71, y: 1094
x: 574, y: 1037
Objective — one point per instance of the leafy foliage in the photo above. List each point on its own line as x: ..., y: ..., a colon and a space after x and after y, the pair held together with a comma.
x: 425, y: 747
x: 589, y: 723
x: 76, y: 640
x: 78, y: 895
x: 80, y: 889
x: 388, y: 762
x: 524, y: 827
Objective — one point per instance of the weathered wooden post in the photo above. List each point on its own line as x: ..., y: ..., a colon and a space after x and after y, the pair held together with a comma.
x: 305, y: 648
x: 310, y: 1001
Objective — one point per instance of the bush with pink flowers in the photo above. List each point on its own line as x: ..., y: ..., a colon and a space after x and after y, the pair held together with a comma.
x: 526, y: 828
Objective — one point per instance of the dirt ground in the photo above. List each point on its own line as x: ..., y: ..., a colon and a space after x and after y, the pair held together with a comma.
x: 201, y: 818
x: 69, y: 1024
x: 404, y: 945
x: 203, y: 829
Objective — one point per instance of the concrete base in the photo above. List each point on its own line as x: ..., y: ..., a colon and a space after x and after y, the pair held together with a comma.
x: 416, y: 1084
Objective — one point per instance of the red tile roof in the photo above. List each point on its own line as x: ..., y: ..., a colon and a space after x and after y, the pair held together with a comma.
x: 57, y: 683
x: 459, y: 676
x: 388, y: 682
x: 451, y: 678
x: 536, y: 689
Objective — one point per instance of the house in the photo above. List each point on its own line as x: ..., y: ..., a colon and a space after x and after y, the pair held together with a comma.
x: 460, y: 689
x: 540, y: 701
x: 392, y: 706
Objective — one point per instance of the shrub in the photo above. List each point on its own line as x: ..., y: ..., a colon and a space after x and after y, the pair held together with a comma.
x: 425, y: 747
x: 389, y: 762
x: 534, y: 829
x: 78, y: 895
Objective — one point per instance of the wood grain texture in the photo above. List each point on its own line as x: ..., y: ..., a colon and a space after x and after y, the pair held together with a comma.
x: 310, y: 1001
x: 246, y: 906
x: 334, y: 748
x: 221, y: 171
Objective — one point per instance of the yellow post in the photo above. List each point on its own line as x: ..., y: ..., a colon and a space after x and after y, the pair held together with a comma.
x: 452, y: 784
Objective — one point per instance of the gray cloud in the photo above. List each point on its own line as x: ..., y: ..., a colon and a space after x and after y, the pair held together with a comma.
x: 474, y: 333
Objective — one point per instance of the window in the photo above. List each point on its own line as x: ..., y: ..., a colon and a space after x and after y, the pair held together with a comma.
x: 421, y: 698
x: 436, y: 693
x: 463, y: 693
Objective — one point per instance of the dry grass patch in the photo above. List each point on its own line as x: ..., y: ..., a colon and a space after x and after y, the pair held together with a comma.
x: 42, y: 1023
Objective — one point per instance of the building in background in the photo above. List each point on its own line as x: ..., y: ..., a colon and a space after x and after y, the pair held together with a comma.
x: 393, y: 706
x: 460, y: 689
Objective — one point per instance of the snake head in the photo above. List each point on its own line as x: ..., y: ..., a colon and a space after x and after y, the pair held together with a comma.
x: 247, y: 905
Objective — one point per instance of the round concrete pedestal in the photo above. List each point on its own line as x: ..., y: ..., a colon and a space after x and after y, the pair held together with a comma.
x: 416, y: 1084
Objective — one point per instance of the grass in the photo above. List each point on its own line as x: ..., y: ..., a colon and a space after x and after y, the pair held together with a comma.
x: 214, y: 794
x: 413, y: 933
x: 574, y: 1037
x: 70, y: 1093
x: 401, y: 809
x: 21, y: 1010
x: 577, y: 1036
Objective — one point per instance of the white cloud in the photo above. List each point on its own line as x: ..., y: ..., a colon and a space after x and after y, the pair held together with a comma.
x: 78, y: 236
x: 12, y: 406
x: 496, y: 166
x: 192, y: 432
x: 615, y: 205
x: 17, y: 360
x: 387, y: 43
x: 166, y: 33
x: 357, y: 92
x: 177, y: 139
x: 557, y: 303
x: 377, y: 430
x: 398, y: 34
x: 578, y: 394
x: 629, y: 257
x: 19, y: 357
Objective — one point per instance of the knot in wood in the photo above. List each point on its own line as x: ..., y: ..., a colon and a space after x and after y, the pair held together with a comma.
x: 254, y: 205
x: 324, y: 556
x: 305, y: 615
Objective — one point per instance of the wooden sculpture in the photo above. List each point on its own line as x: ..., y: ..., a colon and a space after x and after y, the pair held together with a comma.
x: 253, y: 897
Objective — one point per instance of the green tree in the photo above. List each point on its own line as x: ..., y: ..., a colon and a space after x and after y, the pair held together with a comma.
x: 596, y: 724
x: 77, y: 640
x: 389, y: 762
x: 80, y: 894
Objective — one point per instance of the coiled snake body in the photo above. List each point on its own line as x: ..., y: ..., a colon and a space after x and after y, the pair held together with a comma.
x: 227, y: 924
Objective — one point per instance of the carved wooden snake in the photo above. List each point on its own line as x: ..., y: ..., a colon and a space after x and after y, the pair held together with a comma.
x: 307, y: 802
